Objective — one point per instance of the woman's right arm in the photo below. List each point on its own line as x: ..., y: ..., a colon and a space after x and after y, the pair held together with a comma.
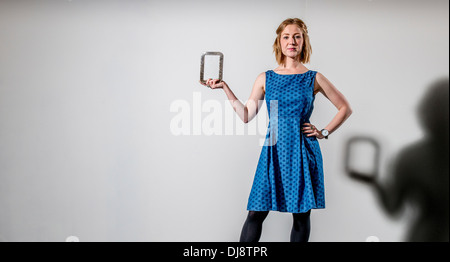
x: 248, y: 111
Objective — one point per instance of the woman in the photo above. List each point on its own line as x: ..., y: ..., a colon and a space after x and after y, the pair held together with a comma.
x: 289, y: 175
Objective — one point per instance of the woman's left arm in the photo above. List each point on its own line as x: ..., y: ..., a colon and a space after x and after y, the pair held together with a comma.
x: 323, y: 85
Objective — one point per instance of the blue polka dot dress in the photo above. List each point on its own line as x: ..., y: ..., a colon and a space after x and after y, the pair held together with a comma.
x: 289, y: 174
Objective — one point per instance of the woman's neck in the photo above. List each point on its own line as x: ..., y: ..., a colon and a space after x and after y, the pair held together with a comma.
x: 291, y: 64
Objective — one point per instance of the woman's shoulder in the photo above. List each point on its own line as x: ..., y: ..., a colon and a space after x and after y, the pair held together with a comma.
x: 261, y: 78
x: 262, y: 75
x: 318, y: 75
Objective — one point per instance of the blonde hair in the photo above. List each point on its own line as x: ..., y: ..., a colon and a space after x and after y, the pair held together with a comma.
x: 306, y: 48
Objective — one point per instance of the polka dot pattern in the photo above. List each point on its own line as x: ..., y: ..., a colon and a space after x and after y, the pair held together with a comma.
x: 289, y: 174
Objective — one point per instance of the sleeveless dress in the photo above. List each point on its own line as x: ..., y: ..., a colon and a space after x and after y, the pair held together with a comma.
x: 289, y: 174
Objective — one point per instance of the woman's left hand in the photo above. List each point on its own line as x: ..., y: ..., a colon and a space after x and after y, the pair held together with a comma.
x: 310, y: 130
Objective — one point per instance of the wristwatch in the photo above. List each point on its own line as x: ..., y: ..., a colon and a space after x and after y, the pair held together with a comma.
x: 325, y: 133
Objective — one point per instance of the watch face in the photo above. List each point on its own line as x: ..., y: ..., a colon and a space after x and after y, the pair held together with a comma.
x: 325, y: 132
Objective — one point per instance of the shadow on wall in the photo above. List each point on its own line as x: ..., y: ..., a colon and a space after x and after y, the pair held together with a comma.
x: 420, y: 172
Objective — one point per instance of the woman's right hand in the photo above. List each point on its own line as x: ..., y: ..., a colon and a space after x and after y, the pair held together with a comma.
x: 214, y: 83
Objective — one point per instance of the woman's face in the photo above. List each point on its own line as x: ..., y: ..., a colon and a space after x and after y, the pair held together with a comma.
x: 291, y: 41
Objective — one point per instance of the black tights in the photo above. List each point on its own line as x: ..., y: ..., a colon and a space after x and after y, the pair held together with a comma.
x: 251, y: 232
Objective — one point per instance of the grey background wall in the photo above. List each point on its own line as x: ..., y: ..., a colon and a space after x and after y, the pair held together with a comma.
x: 86, y: 87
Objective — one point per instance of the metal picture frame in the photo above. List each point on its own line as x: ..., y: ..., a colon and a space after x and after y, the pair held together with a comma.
x: 202, y: 65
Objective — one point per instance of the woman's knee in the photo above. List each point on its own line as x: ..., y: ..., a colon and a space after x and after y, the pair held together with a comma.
x: 258, y: 216
x: 301, y: 216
